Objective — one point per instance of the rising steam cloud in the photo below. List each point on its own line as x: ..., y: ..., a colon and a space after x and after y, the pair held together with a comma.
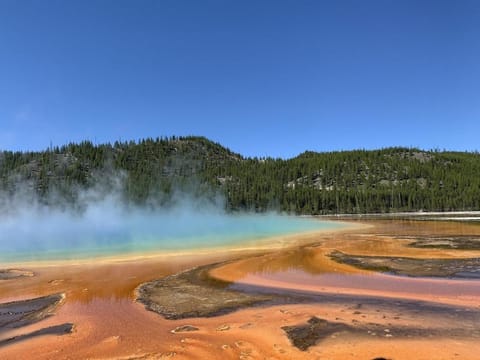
x: 103, y: 224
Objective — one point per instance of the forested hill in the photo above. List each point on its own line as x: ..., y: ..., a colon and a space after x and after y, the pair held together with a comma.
x: 151, y: 170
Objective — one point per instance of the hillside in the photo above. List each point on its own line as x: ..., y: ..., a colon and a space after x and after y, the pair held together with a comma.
x: 152, y: 170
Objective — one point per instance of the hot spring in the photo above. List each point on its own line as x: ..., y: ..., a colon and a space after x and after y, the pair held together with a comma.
x: 107, y: 230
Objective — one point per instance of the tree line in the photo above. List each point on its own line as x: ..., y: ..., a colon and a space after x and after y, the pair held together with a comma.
x: 153, y: 170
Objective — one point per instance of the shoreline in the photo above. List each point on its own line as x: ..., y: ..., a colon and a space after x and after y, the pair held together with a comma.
x: 467, y: 216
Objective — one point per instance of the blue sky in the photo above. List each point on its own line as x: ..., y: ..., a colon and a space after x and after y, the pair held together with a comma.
x: 264, y: 78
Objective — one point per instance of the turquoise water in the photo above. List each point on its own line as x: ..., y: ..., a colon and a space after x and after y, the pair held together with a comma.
x: 63, y: 236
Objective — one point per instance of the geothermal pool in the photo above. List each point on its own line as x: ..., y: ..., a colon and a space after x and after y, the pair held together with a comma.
x: 346, y: 311
x: 108, y: 232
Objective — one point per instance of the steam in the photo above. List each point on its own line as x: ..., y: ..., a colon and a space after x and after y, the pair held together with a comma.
x: 103, y: 223
x: 100, y: 223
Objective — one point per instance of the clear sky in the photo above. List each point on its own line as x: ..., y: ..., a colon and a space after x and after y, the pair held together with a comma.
x: 264, y: 78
